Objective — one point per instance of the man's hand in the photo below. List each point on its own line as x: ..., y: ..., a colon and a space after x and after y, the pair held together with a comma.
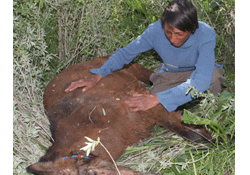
x: 142, y: 102
x: 88, y: 83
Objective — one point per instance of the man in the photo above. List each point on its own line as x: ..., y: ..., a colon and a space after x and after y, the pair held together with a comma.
x: 186, y: 47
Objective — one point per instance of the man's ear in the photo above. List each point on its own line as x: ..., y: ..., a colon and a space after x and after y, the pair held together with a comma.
x: 40, y: 168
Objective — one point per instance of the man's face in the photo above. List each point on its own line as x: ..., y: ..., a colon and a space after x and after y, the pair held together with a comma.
x: 176, y: 36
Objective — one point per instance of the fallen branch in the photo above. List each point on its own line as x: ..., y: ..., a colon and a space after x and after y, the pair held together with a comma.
x: 91, y: 113
x: 91, y: 146
x: 110, y: 157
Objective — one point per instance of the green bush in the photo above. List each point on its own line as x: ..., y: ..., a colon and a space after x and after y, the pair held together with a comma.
x: 30, y: 64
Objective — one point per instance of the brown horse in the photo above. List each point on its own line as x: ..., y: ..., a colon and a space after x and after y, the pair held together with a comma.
x: 101, y: 112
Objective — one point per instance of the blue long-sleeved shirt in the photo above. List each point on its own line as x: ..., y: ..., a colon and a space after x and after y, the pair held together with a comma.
x: 197, y: 54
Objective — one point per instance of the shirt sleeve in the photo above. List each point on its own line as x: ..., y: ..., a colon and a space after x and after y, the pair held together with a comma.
x: 200, y: 78
x: 125, y: 55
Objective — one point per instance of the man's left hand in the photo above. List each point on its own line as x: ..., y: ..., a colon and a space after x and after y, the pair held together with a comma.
x: 142, y: 102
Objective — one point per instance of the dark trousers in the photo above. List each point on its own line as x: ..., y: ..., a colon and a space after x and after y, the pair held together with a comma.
x: 167, y: 80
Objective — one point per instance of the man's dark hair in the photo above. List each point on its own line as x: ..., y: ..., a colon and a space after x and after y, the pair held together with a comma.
x: 180, y: 14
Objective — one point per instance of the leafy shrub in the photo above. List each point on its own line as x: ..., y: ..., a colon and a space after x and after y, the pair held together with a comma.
x: 30, y: 62
x: 218, y: 113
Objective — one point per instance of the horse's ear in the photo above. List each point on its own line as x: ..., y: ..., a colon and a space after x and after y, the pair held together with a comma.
x: 40, y: 168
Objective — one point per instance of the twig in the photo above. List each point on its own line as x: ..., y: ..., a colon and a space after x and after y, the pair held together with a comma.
x: 214, y: 102
x: 110, y: 157
x: 91, y: 113
x: 210, y: 23
x: 20, y: 152
x: 181, y: 164
x: 168, y: 162
x: 193, y: 162
x: 33, y: 116
x: 91, y: 147
x: 131, y: 158
x: 60, y: 44
x: 199, y: 134
x: 103, y: 129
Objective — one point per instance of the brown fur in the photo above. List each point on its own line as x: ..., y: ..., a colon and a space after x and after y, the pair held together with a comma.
x: 77, y: 114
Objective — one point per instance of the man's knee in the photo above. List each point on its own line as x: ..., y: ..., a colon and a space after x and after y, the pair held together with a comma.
x: 217, y: 80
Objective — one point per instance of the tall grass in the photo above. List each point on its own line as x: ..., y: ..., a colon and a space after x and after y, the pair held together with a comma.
x: 30, y: 60
x: 48, y: 36
x: 220, y: 14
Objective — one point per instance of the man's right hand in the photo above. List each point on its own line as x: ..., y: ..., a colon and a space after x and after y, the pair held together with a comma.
x: 88, y: 83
